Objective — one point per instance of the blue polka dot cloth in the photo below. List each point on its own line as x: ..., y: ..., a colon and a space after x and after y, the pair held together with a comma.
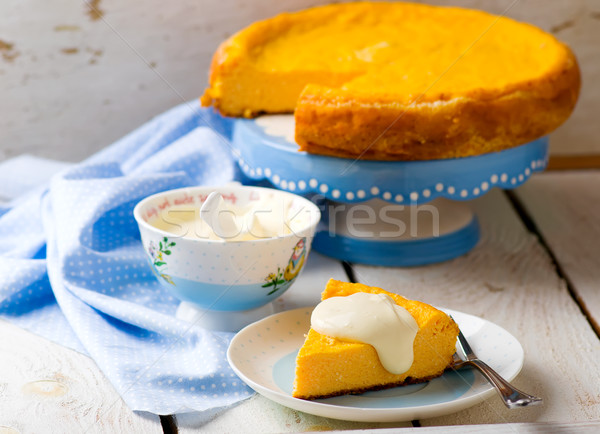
x: 72, y: 267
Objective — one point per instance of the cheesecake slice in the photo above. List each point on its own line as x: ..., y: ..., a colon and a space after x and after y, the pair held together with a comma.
x: 398, y: 81
x: 327, y: 366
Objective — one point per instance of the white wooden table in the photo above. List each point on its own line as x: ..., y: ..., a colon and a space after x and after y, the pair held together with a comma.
x: 535, y: 272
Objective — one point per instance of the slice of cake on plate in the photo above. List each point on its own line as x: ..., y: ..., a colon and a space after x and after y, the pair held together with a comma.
x: 329, y: 366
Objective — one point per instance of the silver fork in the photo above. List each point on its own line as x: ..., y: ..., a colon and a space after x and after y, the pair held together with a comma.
x: 511, y: 396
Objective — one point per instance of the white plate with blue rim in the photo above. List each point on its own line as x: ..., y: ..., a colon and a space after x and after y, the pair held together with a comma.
x: 264, y: 353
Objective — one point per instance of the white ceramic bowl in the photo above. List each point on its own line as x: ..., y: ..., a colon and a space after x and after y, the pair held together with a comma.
x: 218, y: 275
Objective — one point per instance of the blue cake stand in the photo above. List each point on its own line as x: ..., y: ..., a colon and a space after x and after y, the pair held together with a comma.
x: 391, y: 213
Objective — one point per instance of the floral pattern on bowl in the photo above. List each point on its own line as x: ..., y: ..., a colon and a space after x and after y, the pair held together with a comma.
x: 283, y: 279
x: 157, y: 257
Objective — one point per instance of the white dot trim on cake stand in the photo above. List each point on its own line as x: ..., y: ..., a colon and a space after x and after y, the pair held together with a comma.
x: 437, y: 189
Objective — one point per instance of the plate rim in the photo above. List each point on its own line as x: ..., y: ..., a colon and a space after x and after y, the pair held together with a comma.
x: 363, y: 414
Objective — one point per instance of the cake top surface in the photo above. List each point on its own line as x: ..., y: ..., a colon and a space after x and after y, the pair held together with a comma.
x: 405, y: 49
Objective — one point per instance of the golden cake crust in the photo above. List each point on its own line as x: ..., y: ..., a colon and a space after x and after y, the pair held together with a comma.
x: 327, y: 366
x: 360, y: 105
x: 327, y: 123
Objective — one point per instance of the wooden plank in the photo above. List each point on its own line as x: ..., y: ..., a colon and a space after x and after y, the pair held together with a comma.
x: 45, y: 387
x: 507, y: 428
x: 565, y: 209
x: 128, y: 86
x: 258, y: 414
x: 509, y: 278
x: 572, y: 162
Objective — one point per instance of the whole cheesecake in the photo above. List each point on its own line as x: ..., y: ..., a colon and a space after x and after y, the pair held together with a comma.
x: 327, y: 366
x: 398, y: 81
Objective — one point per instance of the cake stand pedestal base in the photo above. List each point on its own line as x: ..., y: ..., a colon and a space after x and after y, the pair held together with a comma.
x: 223, y: 321
x: 380, y: 233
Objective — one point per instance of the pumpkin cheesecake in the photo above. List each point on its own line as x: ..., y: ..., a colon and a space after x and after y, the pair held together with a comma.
x: 328, y: 366
x: 398, y: 81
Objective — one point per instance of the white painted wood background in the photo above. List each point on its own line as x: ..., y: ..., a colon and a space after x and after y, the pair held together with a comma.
x: 46, y: 388
x: 566, y: 210
x: 75, y: 75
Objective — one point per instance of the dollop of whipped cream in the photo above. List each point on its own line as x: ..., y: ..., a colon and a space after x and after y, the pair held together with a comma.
x: 372, y: 319
x: 220, y: 220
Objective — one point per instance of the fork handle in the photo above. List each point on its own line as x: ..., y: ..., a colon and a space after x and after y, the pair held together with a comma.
x: 511, y: 396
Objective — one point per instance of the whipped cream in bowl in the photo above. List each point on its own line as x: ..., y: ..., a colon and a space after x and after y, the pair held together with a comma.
x: 223, y: 217
x: 226, y: 249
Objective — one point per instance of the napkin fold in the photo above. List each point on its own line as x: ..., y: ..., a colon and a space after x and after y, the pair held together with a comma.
x: 73, y: 270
